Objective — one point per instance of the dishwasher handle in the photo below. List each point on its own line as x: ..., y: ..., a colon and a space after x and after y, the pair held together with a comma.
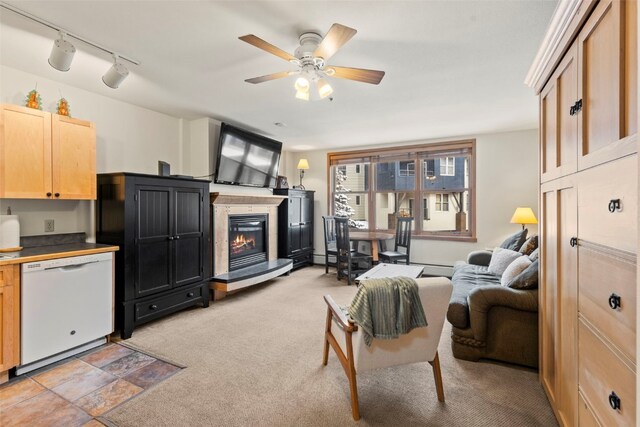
x: 72, y: 267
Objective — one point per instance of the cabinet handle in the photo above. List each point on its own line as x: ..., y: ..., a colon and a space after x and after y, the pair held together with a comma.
x: 578, y: 105
x: 177, y: 237
x: 572, y: 110
x: 614, y: 205
x: 48, y: 194
x: 190, y: 294
x: 573, y: 242
x: 57, y: 194
x: 614, y: 301
x: 153, y: 307
x: 73, y: 332
x: 170, y: 238
x: 614, y: 401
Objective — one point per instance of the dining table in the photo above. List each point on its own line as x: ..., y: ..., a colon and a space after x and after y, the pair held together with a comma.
x: 376, y: 238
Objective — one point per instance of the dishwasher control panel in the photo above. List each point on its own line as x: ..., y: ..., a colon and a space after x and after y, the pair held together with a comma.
x: 65, y: 262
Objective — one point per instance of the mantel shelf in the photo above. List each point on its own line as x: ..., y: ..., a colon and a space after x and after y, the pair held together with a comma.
x: 245, y: 199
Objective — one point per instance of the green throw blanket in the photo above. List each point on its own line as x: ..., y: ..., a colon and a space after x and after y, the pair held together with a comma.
x: 387, y: 308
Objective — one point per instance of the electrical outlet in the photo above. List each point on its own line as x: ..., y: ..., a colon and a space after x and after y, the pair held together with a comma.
x: 48, y: 225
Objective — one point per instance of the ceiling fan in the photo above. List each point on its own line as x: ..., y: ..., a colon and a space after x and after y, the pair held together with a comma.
x: 311, y: 59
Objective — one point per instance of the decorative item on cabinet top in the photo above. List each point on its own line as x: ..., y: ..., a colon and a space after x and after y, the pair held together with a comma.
x: 34, y: 100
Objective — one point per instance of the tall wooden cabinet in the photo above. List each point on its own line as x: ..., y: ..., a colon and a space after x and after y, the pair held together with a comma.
x: 162, y: 228
x: 46, y: 156
x: 588, y: 210
x: 295, y: 226
x: 9, y: 319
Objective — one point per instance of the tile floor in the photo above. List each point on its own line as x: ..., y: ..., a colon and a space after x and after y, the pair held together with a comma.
x: 77, y: 390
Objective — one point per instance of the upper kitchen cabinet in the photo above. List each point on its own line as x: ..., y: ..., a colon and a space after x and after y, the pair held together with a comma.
x: 46, y: 156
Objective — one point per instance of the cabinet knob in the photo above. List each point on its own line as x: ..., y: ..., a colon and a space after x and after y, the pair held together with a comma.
x: 190, y: 294
x: 573, y: 242
x: 153, y: 307
x: 614, y: 301
x: 57, y: 194
x: 614, y: 401
x: 177, y: 237
x: 614, y: 205
x: 48, y: 194
x: 170, y: 238
x: 72, y: 332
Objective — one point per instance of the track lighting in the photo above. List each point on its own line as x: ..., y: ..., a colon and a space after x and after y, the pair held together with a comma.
x: 61, y: 53
x: 116, y: 74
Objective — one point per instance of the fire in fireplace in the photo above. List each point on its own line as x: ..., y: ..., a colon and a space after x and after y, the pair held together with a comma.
x: 247, y: 240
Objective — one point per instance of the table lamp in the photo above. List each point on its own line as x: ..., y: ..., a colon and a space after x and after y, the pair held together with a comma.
x: 523, y: 216
x: 303, y: 165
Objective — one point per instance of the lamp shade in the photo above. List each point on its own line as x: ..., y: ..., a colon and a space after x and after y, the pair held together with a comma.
x: 303, y: 164
x: 524, y: 216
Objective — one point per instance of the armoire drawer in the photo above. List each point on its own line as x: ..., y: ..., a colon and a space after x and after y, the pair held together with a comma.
x: 170, y: 302
x: 586, y: 418
x: 607, y: 296
x: 604, y: 378
x: 607, y: 204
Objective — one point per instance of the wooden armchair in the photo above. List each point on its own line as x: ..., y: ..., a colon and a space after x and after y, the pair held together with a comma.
x: 419, y: 345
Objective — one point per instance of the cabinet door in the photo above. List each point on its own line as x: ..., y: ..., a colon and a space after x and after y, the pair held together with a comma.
x: 559, y: 133
x: 25, y: 153
x: 559, y: 298
x: 601, y: 78
x: 9, y: 317
x: 188, y: 235
x: 306, y: 216
x: 153, y: 240
x: 295, y: 222
x: 73, y: 158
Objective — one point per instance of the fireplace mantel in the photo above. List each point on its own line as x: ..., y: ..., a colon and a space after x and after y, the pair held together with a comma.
x: 244, y: 199
x: 225, y: 205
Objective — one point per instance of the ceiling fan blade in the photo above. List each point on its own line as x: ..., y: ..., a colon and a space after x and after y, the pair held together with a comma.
x: 358, y: 74
x: 268, y: 47
x: 337, y: 36
x: 268, y: 77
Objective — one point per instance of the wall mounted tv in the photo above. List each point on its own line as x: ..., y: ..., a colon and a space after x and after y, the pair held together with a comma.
x: 245, y: 158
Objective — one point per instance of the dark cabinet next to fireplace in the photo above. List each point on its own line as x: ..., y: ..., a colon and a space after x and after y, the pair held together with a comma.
x: 161, y: 226
x: 295, y: 226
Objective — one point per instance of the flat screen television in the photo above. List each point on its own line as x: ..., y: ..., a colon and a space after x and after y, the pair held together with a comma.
x: 245, y: 158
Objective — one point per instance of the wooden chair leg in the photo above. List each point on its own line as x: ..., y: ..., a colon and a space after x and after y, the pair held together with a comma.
x: 437, y: 376
x: 326, y: 263
x: 351, y: 374
x: 327, y: 331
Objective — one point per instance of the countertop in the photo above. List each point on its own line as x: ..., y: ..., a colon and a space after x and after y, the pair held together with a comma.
x: 41, y: 253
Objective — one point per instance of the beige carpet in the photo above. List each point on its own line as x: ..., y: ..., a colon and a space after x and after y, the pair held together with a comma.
x: 254, y: 358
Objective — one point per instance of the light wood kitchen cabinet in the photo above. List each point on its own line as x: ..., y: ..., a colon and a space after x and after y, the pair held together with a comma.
x: 46, y: 156
x: 589, y: 214
x: 10, y: 319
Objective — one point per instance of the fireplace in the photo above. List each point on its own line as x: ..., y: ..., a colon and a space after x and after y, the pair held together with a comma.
x: 247, y: 240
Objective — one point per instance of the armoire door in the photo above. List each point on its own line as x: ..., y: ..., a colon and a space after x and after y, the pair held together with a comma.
x: 295, y: 222
x: 188, y: 235
x: 559, y: 297
x: 306, y: 220
x: 154, y: 237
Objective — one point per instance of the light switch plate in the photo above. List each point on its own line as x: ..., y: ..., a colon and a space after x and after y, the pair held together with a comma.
x: 48, y: 225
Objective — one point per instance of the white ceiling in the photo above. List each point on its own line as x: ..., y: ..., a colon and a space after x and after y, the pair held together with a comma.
x: 452, y: 67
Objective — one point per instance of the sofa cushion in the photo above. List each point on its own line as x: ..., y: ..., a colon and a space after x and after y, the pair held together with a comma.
x: 529, y: 245
x: 534, y: 255
x: 515, y: 241
x: 528, y: 279
x: 466, y: 277
x: 516, y: 267
x: 501, y: 259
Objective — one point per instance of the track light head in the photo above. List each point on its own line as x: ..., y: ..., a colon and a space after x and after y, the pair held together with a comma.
x: 61, y: 54
x: 116, y: 74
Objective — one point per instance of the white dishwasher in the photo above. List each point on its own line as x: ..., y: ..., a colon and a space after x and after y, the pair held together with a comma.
x: 66, y: 307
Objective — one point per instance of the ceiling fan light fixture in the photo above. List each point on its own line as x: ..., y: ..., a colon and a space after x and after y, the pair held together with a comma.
x: 324, y: 88
x: 302, y: 94
x: 61, y: 53
x: 302, y: 84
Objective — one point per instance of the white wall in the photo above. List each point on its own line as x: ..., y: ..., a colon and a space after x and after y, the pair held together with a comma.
x: 506, y: 177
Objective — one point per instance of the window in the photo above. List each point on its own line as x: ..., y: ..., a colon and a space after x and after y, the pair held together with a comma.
x: 442, y: 202
x: 433, y: 183
x: 447, y: 166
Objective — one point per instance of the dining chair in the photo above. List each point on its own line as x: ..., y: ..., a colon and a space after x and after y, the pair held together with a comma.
x: 350, y: 263
x: 419, y: 345
x: 403, y: 240
x: 330, y: 244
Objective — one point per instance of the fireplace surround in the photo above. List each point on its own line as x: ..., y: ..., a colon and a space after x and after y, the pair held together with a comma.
x: 241, y: 261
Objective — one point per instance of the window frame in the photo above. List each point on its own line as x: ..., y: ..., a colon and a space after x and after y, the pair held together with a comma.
x: 419, y: 154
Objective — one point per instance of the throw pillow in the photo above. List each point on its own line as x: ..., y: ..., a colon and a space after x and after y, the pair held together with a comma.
x: 529, y: 245
x: 515, y: 241
x: 501, y: 259
x: 516, y: 267
x: 534, y: 255
x: 528, y: 279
